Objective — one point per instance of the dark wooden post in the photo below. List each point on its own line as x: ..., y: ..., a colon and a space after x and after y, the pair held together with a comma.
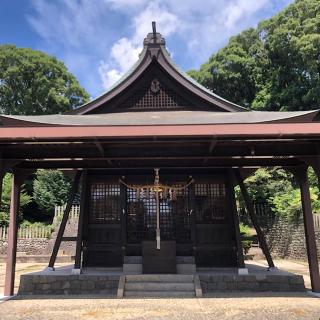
x: 192, y: 198
x: 123, y: 215
x: 77, y: 262
x: 17, y: 179
x: 301, y: 176
x: 235, y: 218
x: 2, y: 173
x: 253, y: 217
x: 64, y: 220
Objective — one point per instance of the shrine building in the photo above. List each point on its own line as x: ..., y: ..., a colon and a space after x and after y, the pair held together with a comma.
x: 155, y: 160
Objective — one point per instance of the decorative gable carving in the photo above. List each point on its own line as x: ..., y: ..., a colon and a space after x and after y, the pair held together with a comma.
x: 155, y: 96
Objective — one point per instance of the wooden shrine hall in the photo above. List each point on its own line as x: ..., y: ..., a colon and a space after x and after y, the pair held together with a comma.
x: 155, y: 160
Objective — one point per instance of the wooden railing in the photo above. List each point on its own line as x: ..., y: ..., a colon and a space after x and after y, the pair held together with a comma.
x: 74, y: 212
x: 316, y: 220
x: 38, y: 232
x: 32, y: 232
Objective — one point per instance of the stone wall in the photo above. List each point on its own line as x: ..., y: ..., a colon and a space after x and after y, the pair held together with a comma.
x: 32, y: 284
x: 69, y: 247
x: 286, y: 239
x: 258, y: 283
x: 35, y: 246
x: 44, y: 246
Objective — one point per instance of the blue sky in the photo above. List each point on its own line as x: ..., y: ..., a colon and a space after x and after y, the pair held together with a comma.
x: 99, y: 40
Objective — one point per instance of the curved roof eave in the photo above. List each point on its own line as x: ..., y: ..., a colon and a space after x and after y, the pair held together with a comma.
x: 176, y: 118
x: 127, y: 78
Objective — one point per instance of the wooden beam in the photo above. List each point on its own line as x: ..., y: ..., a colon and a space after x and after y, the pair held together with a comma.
x: 212, y: 145
x: 191, y: 192
x: 64, y: 220
x: 2, y: 174
x: 235, y: 219
x: 17, y: 179
x: 314, y: 162
x: 301, y: 176
x: 83, y: 208
x: 69, y: 239
x: 12, y: 237
x: 102, y: 151
x: 253, y: 217
x: 123, y: 215
x: 161, y: 162
x: 240, y: 131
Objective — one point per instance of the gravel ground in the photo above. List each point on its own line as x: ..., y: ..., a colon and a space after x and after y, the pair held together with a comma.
x: 237, y: 306
x: 253, y: 306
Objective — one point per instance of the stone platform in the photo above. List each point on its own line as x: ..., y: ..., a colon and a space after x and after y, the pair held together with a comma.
x: 251, y: 282
x: 106, y: 281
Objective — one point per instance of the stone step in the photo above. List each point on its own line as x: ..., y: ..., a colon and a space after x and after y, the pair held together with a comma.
x: 186, y: 268
x: 159, y: 294
x: 179, y: 259
x: 185, y: 260
x: 160, y: 278
x: 159, y: 286
x: 132, y: 259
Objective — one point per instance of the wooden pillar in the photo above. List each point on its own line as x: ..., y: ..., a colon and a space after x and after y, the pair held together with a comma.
x: 253, y: 217
x: 17, y: 179
x: 235, y: 219
x: 64, y: 220
x: 192, y: 198
x: 123, y: 215
x: 301, y: 176
x: 2, y: 173
x: 83, y: 208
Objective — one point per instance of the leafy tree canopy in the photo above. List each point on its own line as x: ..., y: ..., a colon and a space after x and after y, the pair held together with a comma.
x: 50, y: 188
x: 273, y: 67
x: 34, y: 83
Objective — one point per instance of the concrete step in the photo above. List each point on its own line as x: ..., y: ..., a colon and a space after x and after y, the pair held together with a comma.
x: 179, y: 259
x: 160, y: 278
x: 132, y: 268
x: 159, y: 286
x: 132, y: 259
x: 185, y: 260
x: 159, y: 294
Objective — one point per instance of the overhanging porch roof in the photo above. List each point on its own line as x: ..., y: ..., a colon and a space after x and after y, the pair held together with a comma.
x: 79, y: 133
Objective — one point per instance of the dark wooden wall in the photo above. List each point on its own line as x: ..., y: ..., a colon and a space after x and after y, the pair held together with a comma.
x: 200, y: 220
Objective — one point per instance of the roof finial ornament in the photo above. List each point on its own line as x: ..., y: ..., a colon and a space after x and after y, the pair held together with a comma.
x: 154, y: 31
x: 154, y: 38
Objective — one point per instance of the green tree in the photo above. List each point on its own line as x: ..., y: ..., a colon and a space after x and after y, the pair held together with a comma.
x: 50, y: 188
x: 34, y: 83
x: 292, y: 40
x: 273, y: 67
x: 235, y: 72
x: 6, y: 199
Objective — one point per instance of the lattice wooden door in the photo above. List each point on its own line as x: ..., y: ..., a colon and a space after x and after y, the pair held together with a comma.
x: 142, y: 217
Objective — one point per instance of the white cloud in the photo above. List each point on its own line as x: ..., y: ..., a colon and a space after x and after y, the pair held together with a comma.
x: 167, y: 22
x: 241, y: 9
x: 123, y: 55
x: 125, y: 52
x: 100, y: 40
